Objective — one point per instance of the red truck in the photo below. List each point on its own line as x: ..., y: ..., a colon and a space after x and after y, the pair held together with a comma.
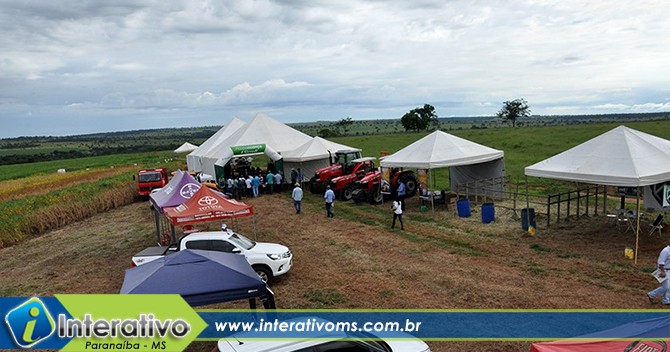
x: 149, y: 179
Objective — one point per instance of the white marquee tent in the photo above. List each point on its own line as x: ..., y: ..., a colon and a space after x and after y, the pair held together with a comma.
x: 296, y: 148
x: 315, y: 154
x: 195, y: 159
x: 186, y: 147
x: 467, y: 161
x: 620, y: 157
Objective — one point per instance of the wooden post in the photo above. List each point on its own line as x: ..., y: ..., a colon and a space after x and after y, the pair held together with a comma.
x: 558, y: 209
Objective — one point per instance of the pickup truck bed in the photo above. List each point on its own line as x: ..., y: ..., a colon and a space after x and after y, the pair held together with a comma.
x: 151, y: 252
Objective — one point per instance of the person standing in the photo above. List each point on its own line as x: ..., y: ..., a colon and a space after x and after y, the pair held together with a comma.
x: 271, y: 181
x: 255, y: 183
x: 330, y: 199
x: 249, y: 183
x: 297, y: 198
x: 278, y: 181
x: 294, y: 176
x: 402, y: 192
x: 397, y: 213
x: 663, y: 263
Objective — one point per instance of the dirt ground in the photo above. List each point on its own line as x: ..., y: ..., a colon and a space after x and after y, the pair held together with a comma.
x: 356, y: 260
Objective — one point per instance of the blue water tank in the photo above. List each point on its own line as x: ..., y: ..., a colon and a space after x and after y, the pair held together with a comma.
x: 488, y: 213
x: 463, y: 206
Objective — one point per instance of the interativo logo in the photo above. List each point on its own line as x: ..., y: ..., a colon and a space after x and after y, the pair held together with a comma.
x: 30, y: 323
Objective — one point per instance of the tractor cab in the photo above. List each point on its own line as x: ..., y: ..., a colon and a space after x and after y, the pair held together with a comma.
x: 346, y: 159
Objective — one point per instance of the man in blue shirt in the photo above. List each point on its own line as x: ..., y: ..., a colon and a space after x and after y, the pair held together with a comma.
x: 402, y: 191
x: 297, y: 198
x: 330, y: 199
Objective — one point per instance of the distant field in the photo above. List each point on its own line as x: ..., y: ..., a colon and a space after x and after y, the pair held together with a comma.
x: 523, y: 146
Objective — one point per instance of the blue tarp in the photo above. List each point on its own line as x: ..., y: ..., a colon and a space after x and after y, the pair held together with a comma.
x: 200, y: 277
x: 181, y: 188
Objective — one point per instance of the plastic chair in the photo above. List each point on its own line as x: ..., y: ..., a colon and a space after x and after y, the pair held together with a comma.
x: 657, y: 225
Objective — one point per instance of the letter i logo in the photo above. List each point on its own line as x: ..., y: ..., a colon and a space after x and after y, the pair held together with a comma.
x: 30, y: 323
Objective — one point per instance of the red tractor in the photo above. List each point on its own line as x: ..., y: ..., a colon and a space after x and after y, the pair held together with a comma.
x: 372, y: 188
x: 343, y: 185
x: 344, y: 165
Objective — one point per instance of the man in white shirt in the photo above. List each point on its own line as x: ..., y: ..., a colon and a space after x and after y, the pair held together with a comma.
x: 397, y: 213
x: 297, y: 198
x: 663, y: 263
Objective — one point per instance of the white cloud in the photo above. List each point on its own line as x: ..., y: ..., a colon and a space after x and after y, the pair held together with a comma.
x: 310, y: 59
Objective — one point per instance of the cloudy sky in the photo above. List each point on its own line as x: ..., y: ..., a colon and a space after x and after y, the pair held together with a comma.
x: 72, y: 67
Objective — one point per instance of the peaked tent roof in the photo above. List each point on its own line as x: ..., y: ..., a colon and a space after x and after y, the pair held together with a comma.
x: 316, y: 148
x: 620, y: 157
x: 222, y: 134
x: 440, y: 149
x: 200, y: 277
x: 181, y: 188
x: 263, y: 129
x: 186, y: 147
x: 207, y: 205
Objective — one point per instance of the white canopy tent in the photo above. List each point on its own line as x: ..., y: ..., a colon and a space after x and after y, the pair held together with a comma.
x: 262, y: 129
x: 620, y: 157
x: 313, y: 155
x: 467, y: 160
x: 194, y: 159
x: 186, y: 147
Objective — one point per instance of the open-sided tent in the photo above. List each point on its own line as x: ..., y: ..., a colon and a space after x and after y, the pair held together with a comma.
x: 467, y: 161
x: 620, y: 157
x: 186, y: 147
x: 194, y: 159
x: 207, y: 205
x: 315, y: 154
x: 200, y: 277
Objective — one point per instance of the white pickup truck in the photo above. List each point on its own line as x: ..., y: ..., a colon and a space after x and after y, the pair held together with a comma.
x: 267, y: 259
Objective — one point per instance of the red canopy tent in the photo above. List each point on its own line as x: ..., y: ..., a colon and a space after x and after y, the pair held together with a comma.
x: 207, y: 205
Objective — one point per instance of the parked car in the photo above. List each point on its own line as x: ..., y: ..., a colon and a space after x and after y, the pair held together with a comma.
x: 267, y: 259
x: 326, y: 341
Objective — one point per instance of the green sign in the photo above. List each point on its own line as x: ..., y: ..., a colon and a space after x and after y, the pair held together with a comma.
x: 248, y: 149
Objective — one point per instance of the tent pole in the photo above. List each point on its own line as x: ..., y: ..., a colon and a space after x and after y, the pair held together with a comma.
x: 432, y: 186
x: 637, y: 226
x: 158, y: 225
x: 528, y: 205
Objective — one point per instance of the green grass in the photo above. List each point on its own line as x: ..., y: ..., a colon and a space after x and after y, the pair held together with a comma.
x: 156, y: 159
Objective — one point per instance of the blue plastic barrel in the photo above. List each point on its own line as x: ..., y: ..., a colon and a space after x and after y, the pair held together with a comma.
x: 526, y: 215
x: 488, y: 213
x: 463, y: 206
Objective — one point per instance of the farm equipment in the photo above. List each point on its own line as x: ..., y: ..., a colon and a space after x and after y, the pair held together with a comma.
x: 372, y: 188
x: 150, y: 179
x: 344, y: 165
x: 342, y: 185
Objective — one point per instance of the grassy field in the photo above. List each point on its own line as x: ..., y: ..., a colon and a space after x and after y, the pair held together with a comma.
x: 51, y: 223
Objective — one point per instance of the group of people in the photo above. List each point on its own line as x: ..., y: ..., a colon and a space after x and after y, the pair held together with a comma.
x: 258, y: 183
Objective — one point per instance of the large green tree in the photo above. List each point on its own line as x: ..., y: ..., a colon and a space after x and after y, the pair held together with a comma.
x: 514, y: 110
x: 419, y: 119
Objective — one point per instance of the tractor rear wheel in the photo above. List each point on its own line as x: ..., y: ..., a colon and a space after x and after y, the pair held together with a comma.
x: 411, y: 184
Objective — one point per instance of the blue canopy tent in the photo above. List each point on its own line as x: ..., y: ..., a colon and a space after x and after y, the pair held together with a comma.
x: 201, y: 278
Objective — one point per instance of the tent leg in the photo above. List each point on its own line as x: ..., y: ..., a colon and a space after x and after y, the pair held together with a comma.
x: 527, y: 205
x: 432, y: 187
x: 158, y: 225
x: 637, y: 227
